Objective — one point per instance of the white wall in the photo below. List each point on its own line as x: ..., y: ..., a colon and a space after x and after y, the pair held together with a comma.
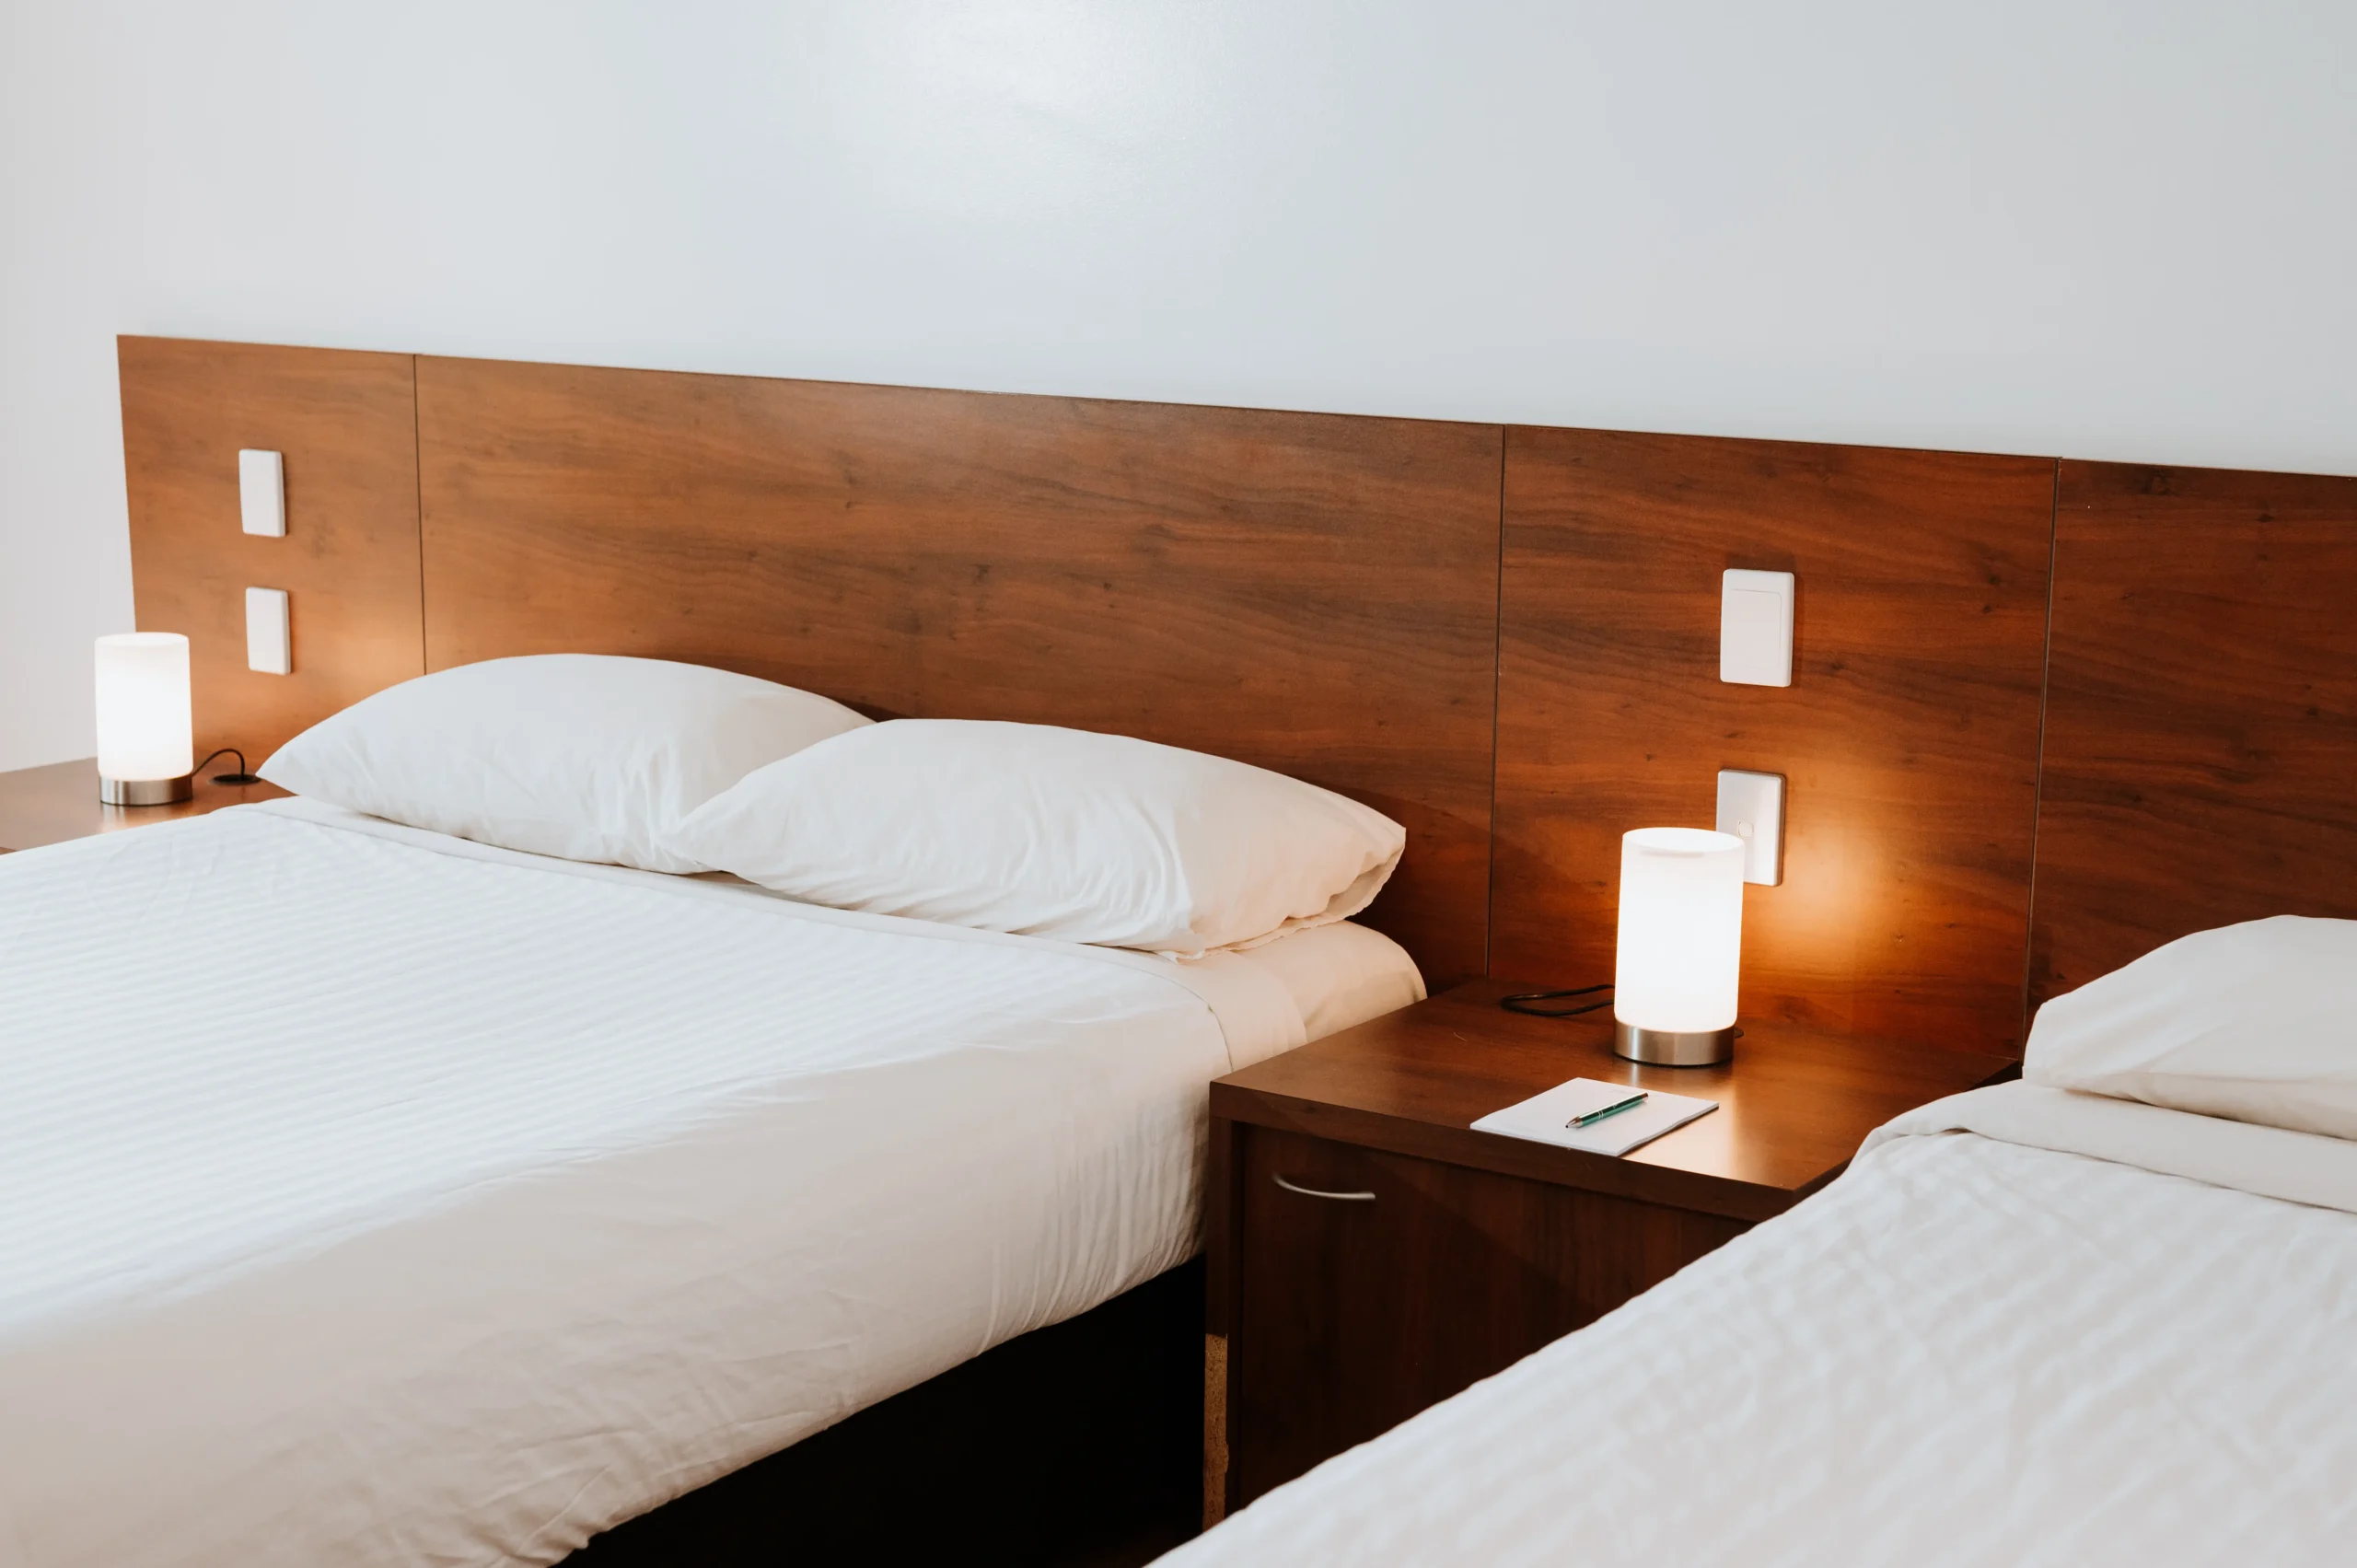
x: 2119, y: 229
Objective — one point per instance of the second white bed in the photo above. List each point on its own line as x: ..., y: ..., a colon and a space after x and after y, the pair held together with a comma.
x: 374, y: 1197
x: 2027, y: 1326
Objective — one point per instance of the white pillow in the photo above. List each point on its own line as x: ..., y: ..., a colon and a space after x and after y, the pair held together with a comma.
x: 2254, y: 1022
x: 1048, y: 831
x: 579, y: 755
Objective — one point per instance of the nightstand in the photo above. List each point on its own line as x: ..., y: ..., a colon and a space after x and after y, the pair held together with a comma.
x: 48, y: 805
x: 1371, y: 1254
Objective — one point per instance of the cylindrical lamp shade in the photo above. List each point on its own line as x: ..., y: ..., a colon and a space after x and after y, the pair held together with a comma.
x: 1681, y: 945
x: 147, y: 748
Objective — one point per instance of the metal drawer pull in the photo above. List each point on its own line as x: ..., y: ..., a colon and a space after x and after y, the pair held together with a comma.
x: 1314, y: 1192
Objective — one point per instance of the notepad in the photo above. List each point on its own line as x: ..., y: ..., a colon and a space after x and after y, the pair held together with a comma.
x: 1541, y: 1117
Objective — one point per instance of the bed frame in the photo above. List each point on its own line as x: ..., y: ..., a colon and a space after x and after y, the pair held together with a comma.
x: 2045, y: 717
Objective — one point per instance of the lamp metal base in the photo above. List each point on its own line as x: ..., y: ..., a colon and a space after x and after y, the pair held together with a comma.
x: 1673, y: 1048
x: 146, y: 791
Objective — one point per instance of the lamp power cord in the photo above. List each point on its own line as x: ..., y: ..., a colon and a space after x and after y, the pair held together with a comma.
x: 1521, y: 1001
x: 244, y: 775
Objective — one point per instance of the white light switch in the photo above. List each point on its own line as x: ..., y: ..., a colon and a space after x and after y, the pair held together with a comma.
x: 261, y: 492
x: 1756, y: 629
x: 1751, y: 807
x: 269, y: 648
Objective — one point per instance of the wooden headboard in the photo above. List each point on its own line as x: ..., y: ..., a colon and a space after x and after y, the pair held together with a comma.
x: 1908, y: 737
x: 1312, y: 594
x: 2201, y: 711
x: 346, y: 425
x: 1449, y: 621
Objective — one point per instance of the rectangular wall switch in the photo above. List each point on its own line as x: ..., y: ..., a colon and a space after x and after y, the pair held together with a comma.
x: 261, y: 493
x: 1756, y: 628
x: 1751, y: 807
x: 270, y: 648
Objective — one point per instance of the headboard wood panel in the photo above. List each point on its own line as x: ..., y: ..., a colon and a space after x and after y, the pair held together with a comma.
x: 347, y: 425
x: 1909, y: 736
x: 1314, y: 594
x: 2201, y: 760
x: 1416, y: 613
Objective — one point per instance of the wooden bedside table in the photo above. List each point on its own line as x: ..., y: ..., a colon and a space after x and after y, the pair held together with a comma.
x: 48, y: 805
x: 1424, y: 1256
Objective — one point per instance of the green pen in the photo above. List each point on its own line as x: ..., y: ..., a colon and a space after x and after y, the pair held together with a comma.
x: 1613, y: 1109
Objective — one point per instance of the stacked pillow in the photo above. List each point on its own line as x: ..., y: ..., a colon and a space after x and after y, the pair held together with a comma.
x: 2255, y: 1022
x: 1001, y: 827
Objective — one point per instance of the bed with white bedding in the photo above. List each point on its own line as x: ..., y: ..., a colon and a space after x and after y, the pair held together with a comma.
x: 2027, y: 1326
x: 406, y: 1199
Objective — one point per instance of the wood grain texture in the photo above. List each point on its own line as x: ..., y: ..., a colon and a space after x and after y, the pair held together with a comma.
x: 1794, y: 1104
x: 2201, y: 755
x: 347, y: 423
x: 52, y: 804
x: 1215, y: 1455
x: 1353, y: 1317
x: 1309, y: 593
x: 1909, y: 735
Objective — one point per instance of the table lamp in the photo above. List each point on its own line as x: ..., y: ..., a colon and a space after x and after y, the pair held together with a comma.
x: 146, y: 754
x: 1681, y: 947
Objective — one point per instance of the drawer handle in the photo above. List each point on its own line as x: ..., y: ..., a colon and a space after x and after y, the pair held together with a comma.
x: 1314, y: 1192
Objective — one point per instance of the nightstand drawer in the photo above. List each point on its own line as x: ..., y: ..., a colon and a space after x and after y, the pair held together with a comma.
x: 1423, y: 1256
x: 1371, y: 1286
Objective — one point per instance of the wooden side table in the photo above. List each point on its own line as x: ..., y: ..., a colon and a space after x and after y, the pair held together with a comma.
x: 48, y: 805
x: 1371, y: 1254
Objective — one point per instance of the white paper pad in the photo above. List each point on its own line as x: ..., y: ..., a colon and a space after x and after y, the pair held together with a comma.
x: 1541, y: 1117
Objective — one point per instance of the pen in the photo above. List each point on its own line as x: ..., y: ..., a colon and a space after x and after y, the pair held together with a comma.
x: 1613, y: 1109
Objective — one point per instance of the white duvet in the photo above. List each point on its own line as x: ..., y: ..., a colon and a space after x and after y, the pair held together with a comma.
x: 2027, y: 1326
x: 368, y: 1197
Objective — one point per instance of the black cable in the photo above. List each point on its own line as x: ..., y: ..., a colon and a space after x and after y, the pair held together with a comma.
x: 240, y: 777
x: 1519, y: 1002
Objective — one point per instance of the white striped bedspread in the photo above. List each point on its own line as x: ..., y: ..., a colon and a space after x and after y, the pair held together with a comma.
x: 371, y: 1198
x: 2026, y: 1327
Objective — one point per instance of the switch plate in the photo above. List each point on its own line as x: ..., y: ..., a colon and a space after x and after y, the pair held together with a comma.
x: 1751, y: 807
x: 269, y: 647
x: 261, y: 493
x: 1756, y: 629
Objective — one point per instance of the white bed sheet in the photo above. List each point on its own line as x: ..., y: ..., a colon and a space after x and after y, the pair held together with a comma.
x: 374, y: 1197
x: 2027, y: 1328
